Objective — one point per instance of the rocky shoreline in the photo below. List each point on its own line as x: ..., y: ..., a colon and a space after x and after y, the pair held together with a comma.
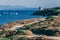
x: 38, y: 29
x: 21, y: 23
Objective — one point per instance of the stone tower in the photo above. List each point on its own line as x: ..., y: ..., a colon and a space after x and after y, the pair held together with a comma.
x: 40, y: 8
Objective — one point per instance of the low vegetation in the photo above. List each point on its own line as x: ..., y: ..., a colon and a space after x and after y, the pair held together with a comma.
x: 48, y: 12
x: 49, y: 27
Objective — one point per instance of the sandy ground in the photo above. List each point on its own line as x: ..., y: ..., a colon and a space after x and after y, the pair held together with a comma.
x: 43, y: 37
x: 21, y: 25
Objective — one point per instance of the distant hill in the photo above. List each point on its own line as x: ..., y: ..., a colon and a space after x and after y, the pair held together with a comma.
x: 15, y: 8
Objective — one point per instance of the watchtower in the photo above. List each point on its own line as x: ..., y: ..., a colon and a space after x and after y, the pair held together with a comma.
x: 40, y: 8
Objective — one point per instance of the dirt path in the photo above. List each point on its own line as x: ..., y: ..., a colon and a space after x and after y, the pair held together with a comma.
x: 20, y: 26
x: 29, y: 21
x: 42, y: 37
x: 16, y: 27
x: 54, y: 38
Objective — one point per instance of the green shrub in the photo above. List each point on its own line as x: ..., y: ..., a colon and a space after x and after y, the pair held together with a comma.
x: 5, y: 39
x: 24, y: 32
x: 50, y: 17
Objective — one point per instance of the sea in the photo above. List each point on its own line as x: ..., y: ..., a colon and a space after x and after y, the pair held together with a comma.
x: 7, y: 16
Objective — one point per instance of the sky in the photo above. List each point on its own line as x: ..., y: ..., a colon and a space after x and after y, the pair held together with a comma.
x: 31, y: 3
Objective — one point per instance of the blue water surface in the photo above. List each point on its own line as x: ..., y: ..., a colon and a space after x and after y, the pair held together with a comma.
x: 7, y: 16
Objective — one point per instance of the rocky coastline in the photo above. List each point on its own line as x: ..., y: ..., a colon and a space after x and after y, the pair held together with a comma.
x: 39, y: 28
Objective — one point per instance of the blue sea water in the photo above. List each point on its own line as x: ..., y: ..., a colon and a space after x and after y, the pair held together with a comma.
x: 7, y: 16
